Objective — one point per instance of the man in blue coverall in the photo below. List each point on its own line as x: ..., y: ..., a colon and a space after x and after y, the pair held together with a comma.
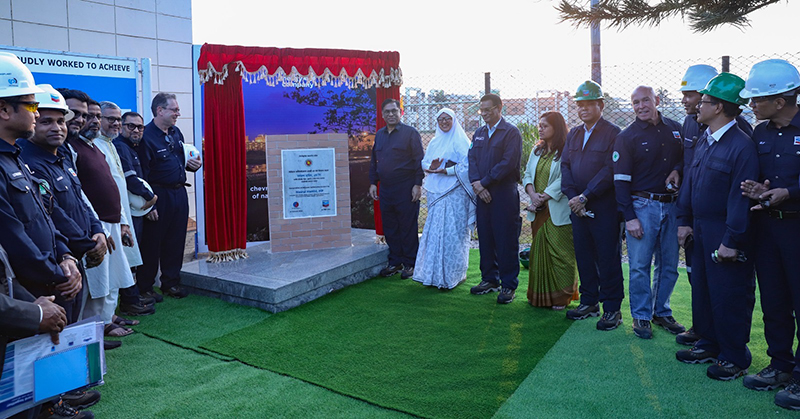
x: 712, y: 208
x: 494, y: 166
x: 587, y: 179
x: 648, y: 160
x: 396, y: 163
x: 772, y: 88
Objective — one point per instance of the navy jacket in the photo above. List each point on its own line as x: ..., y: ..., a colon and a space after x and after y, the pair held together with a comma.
x: 131, y: 167
x: 693, y: 130
x: 779, y: 158
x: 70, y: 214
x: 27, y: 233
x: 496, y: 160
x: 644, y: 155
x: 396, y: 157
x: 161, y: 156
x: 711, y: 190
x: 589, y: 170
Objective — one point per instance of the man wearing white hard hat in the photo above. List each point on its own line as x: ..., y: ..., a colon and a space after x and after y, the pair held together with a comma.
x: 696, y: 79
x: 164, y: 166
x: 772, y: 88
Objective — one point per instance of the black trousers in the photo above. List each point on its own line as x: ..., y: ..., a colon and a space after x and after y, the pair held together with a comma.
x: 498, y: 224
x: 400, y: 227
x: 163, y: 241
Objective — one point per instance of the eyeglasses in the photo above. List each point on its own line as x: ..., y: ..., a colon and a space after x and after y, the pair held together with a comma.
x: 112, y: 119
x: 134, y: 127
x: 392, y: 111
x: 706, y: 101
x: 762, y: 99
x: 174, y: 110
x: 29, y: 106
x: 484, y: 111
x: 444, y: 119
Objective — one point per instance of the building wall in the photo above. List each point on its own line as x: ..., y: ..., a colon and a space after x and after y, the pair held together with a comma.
x: 157, y: 29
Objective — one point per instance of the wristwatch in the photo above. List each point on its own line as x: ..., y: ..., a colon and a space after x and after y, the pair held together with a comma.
x: 69, y: 257
x: 582, y: 199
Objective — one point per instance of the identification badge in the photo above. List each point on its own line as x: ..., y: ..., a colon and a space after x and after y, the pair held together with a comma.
x: 16, y: 175
x: 480, y: 138
x: 676, y: 134
x: 72, y: 172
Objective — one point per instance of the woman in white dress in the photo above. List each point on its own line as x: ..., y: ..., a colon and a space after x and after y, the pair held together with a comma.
x: 443, y: 255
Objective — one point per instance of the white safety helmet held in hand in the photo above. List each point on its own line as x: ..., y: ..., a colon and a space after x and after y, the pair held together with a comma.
x: 696, y: 77
x: 15, y: 78
x: 50, y: 98
x: 137, y: 202
x: 189, y: 152
x: 771, y: 77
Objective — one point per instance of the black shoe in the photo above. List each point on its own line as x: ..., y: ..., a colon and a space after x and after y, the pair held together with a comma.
x: 79, y: 400
x: 177, y: 292
x: 111, y: 344
x: 669, y: 323
x: 391, y: 270
x: 583, y: 311
x: 642, y: 329
x: 137, y: 309
x: 484, y: 287
x: 61, y: 410
x: 506, y: 296
x: 407, y: 272
x: 148, y: 301
x: 610, y: 320
x: 767, y: 379
x: 789, y: 398
x: 154, y: 295
x: 695, y: 356
x: 688, y: 338
x: 725, y: 371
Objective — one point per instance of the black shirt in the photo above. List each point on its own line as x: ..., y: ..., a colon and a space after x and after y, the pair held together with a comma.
x: 396, y: 157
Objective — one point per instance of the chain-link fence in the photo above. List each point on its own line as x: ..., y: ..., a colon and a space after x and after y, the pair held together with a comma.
x: 527, y: 94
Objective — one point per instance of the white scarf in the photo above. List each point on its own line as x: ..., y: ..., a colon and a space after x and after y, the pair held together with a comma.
x: 452, y: 145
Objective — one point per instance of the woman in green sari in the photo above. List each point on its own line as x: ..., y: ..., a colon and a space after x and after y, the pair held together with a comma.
x: 553, y: 280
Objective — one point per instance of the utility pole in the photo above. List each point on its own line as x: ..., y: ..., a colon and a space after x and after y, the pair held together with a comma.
x: 597, y: 72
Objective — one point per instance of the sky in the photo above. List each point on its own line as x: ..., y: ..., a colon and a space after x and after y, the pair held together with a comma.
x: 447, y: 37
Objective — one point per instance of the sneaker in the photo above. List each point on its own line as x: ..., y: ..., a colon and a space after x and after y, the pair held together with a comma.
x: 79, y: 400
x: 669, y: 323
x: 137, y: 309
x: 642, y: 329
x: 610, y: 320
x: 583, y: 311
x: 695, y: 356
x: 391, y: 270
x: 789, y: 398
x: 407, y: 272
x: 767, y: 379
x: 484, y: 287
x: 688, y: 338
x: 154, y: 295
x: 148, y: 301
x: 177, y: 292
x: 725, y: 371
x: 61, y: 410
x: 506, y: 296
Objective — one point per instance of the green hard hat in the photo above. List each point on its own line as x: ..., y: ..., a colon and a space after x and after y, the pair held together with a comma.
x: 726, y: 86
x: 589, y: 90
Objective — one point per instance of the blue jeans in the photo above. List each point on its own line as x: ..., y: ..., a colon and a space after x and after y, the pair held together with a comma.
x: 660, y: 238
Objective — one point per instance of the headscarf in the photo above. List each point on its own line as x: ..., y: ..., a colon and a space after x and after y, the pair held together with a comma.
x: 452, y: 145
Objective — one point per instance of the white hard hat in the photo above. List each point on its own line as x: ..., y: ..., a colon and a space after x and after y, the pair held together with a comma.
x: 137, y: 202
x: 696, y: 77
x: 771, y: 77
x: 50, y: 98
x: 15, y: 78
x: 190, y: 152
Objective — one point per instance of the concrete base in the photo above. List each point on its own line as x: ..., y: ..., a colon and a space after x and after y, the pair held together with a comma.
x: 280, y: 281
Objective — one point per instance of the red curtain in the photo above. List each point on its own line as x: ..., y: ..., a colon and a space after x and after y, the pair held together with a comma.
x: 224, y: 173
x: 222, y: 68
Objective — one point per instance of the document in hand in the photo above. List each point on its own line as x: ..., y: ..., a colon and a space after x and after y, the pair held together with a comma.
x: 36, y: 371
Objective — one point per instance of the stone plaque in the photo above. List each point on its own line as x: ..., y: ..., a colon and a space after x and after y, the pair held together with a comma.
x: 309, y: 182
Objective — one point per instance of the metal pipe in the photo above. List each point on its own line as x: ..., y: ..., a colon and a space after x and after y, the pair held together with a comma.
x: 597, y: 72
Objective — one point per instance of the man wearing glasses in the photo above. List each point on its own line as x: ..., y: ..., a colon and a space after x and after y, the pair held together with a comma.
x: 164, y: 168
x: 494, y: 166
x: 772, y: 88
x: 397, y: 164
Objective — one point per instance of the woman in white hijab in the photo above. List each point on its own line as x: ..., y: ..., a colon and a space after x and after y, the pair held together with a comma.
x: 443, y: 255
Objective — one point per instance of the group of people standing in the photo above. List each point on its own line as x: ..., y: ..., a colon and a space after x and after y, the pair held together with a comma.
x: 728, y: 194
x: 75, y: 249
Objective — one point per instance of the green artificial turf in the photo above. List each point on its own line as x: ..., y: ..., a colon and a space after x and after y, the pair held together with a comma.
x: 148, y: 378
x: 404, y: 346
x: 190, y: 321
x: 614, y: 374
